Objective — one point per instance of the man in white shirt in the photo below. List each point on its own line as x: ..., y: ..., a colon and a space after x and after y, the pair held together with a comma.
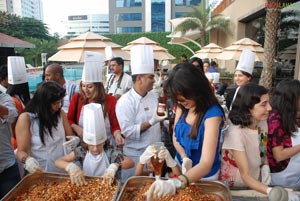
x: 136, y: 109
x: 118, y: 82
x: 55, y: 73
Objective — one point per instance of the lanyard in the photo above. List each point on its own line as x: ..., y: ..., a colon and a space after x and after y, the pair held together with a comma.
x: 111, y: 80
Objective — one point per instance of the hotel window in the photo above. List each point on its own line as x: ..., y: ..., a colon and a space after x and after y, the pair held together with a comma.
x: 158, y: 16
x: 129, y: 29
x: 128, y: 3
x: 187, y: 2
x: 130, y: 17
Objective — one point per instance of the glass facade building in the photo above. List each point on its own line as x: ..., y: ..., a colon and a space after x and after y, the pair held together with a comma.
x: 131, y: 16
x: 79, y: 24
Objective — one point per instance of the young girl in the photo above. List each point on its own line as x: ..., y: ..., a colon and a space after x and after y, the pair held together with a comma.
x: 96, y: 161
x: 243, y: 150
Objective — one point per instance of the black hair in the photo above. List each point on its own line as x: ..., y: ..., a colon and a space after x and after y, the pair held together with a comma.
x: 285, y: 100
x: 197, y: 59
x: 21, y: 90
x: 206, y: 61
x: 246, y: 98
x: 213, y: 63
x: 246, y: 74
x: 118, y: 60
x: 191, y: 83
x: 45, y: 95
x: 183, y: 55
x: 3, y: 72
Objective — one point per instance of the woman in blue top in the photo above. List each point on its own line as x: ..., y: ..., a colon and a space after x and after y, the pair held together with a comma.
x: 197, y: 133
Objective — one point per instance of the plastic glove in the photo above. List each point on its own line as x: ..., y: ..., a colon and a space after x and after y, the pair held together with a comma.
x: 164, y: 154
x: 161, y: 188
x: 186, y: 164
x: 277, y: 194
x: 72, y: 142
x: 110, y: 172
x: 294, y: 195
x: 281, y: 194
x: 265, y: 174
x: 155, y: 118
x: 76, y: 175
x: 119, y: 138
x: 32, y: 165
x: 148, y: 153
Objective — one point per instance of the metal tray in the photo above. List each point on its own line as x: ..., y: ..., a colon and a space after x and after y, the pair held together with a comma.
x: 134, y: 184
x: 32, y: 179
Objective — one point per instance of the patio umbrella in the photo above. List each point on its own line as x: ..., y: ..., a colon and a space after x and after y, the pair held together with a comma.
x: 234, y: 51
x: 209, y: 51
x: 159, y: 52
x: 288, y: 53
x: 178, y: 37
x: 89, y: 41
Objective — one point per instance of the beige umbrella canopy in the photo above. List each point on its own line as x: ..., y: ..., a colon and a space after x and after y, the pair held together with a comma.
x: 159, y: 53
x: 234, y: 51
x: 178, y: 37
x: 89, y: 41
x: 209, y: 51
x: 288, y: 53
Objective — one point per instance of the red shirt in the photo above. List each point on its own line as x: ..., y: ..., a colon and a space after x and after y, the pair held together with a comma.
x: 110, y: 104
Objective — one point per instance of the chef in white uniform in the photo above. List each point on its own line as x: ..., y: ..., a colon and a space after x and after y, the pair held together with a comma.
x: 136, y: 109
x: 242, y: 75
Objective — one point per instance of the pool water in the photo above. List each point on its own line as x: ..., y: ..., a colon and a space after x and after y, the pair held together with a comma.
x: 71, y: 73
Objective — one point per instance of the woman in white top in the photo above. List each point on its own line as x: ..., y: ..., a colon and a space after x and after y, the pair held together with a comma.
x: 41, y: 129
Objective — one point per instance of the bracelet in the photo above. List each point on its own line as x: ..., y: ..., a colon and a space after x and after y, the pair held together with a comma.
x: 186, y: 179
x: 23, y: 159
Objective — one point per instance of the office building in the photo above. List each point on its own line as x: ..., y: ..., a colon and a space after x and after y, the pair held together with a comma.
x: 132, y: 16
x: 23, y: 8
x: 79, y: 24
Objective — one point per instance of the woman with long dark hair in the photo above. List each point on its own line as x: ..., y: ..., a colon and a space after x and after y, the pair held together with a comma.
x: 42, y: 128
x: 284, y: 134
x: 197, y: 132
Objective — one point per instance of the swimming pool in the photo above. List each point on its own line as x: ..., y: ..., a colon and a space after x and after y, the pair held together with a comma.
x: 70, y: 73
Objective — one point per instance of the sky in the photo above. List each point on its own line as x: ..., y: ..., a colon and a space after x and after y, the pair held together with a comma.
x: 56, y: 12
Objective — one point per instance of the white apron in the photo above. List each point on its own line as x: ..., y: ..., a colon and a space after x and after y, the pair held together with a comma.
x: 291, y: 175
x: 95, y: 165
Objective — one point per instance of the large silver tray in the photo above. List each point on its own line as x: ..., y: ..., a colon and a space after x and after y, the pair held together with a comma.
x: 134, y: 184
x: 32, y: 179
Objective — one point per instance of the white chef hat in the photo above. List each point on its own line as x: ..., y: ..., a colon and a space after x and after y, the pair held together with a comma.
x: 108, y: 53
x: 94, y: 132
x: 246, y: 62
x: 16, y: 70
x: 142, y: 60
x: 92, y: 69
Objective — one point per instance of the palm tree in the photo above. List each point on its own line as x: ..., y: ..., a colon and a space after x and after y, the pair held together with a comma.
x: 200, y: 19
x: 272, y: 19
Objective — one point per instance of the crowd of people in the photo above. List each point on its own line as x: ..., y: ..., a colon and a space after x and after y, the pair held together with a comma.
x: 107, y: 127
